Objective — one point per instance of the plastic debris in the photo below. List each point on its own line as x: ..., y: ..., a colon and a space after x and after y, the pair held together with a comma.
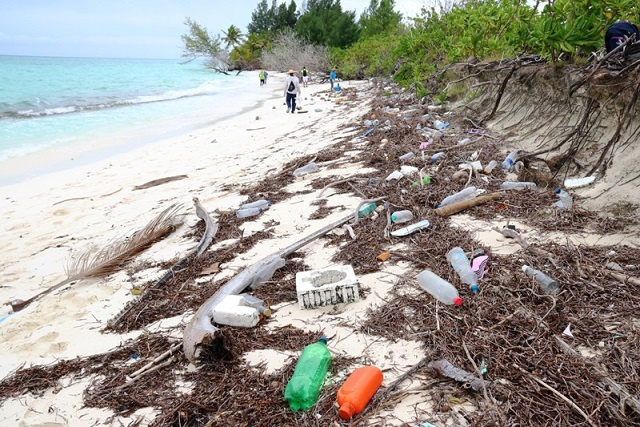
x: 567, y: 331
x: 384, y: 256
x: 405, y: 231
x: 578, y: 182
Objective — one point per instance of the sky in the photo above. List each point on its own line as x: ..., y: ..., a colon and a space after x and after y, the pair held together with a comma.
x: 126, y: 28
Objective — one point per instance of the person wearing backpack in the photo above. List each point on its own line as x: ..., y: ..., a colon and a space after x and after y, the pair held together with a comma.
x: 305, y: 76
x: 261, y: 75
x: 291, y: 90
x: 618, y: 33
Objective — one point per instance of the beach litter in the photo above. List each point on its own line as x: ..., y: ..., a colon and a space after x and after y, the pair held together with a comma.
x: 328, y: 286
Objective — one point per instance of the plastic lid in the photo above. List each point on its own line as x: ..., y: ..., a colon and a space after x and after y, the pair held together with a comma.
x: 267, y: 312
x: 557, y: 190
x: 324, y: 339
x: 457, y: 301
x: 345, y: 411
x: 474, y: 288
x: 524, y: 268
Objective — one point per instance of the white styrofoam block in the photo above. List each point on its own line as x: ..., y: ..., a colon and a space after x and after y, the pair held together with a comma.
x: 328, y: 286
x: 232, y: 311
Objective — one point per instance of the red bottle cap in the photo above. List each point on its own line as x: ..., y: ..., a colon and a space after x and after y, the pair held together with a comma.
x: 457, y: 301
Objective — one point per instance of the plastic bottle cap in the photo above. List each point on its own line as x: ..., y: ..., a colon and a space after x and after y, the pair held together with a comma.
x: 345, y: 411
x: 557, y: 191
x: 324, y: 339
x: 474, y: 288
x: 524, y: 268
x: 457, y: 301
x: 267, y: 312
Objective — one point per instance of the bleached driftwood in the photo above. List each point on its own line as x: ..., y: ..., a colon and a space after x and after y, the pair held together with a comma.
x: 446, y: 369
x: 200, y: 330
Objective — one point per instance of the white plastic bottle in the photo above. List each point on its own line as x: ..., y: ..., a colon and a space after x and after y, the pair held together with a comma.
x: 565, y: 201
x: 547, y: 284
x: 244, y: 213
x: 510, y: 160
x: 436, y: 156
x: 311, y: 167
x: 467, y: 193
x: 460, y: 263
x: 517, y: 185
x: 401, y: 216
x: 262, y: 204
x: 257, y: 303
x: 407, y: 156
x: 492, y: 164
x: 441, y: 290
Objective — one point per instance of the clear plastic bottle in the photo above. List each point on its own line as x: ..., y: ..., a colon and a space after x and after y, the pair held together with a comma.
x: 492, y: 164
x: 441, y: 290
x: 547, y: 284
x: 436, y: 156
x: 517, y: 185
x: 460, y: 263
x: 510, y: 160
x: 303, y: 388
x: 366, y: 210
x: 262, y: 204
x: 311, y: 167
x: 565, y: 201
x: 244, y: 213
x: 358, y: 390
x: 409, y: 155
x: 401, y: 216
x: 257, y: 303
x: 467, y: 193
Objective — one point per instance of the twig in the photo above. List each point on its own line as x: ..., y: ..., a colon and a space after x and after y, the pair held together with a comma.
x: 342, y: 181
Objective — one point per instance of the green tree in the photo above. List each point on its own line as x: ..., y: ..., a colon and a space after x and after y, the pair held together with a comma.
x: 325, y: 23
x: 198, y: 43
x: 233, y: 36
x: 265, y: 19
x: 261, y: 18
x: 380, y: 17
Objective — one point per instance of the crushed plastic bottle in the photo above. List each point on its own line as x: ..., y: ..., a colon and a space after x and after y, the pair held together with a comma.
x: 366, y: 210
x: 244, y: 213
x: 401, y: 216
x: 517, y: 185
x: 407, y: 156
x: 358, y: 390
x: 438, y: 124
x: 303, y: 388
x: 441, y: 290
x: 309, y: 168
x: 565, y: 201
x: 547, y: 284
x: 460, y: 196
x: 510, y: 160
x: 492, y: 164
x: 460, y: 263
x: 437, y: 156
x: 262, y: 204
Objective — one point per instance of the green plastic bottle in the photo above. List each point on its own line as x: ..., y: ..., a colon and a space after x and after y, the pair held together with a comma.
x: 366, y: 210
x: 303, y: 388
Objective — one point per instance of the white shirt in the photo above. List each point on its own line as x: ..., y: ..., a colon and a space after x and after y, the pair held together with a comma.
x: 296, y: 83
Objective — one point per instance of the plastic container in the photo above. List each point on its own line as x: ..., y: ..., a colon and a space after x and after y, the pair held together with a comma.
x: 441, y: 290
x: 232, y: 311
x: 492, y: 164
x: 565, y: 201
x: 517, y: 185
x: 303, y: 388
x: 407, y: 156
x: 394, y: 175
x: 460, y: 263
x: 440, y: 124
x: 244, y: 213
x: 262, y: 204
x: 358, y: 390
x: 460, y: 196
x: 401, y: 216
x: 510, y: 160
x: 311, y: 167
x: 257, y: 303
x: 547, y: 284
x: 425, y: 180
x: 436, y: 156
x: 366, y: 210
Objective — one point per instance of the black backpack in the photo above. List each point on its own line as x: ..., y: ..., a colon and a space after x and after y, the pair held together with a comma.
x: 292, y: 86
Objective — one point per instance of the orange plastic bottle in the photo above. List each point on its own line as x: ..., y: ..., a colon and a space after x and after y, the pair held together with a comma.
x: 358, y: 390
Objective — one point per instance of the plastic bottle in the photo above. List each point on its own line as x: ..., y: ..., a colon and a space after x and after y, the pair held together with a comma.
x: 407, y: 156
x: 358, y: 390
x: 425, y: 180
x: 441, y: 290
x: 437, y: 156
x: 440, y: 124
x: 366, y: 210
x: 547, y: 284
x: 311, y: 167
x: 401, y: 216
x: 257, y: 303
x: 262, y: 204
x: 303, y: 388
x: 517, y: 185
x: 565, y: 201
x: 460, y: 263
x: 492, y: 164
x: 510, y: 160
x: 244, y: 213
x: 467, y: 193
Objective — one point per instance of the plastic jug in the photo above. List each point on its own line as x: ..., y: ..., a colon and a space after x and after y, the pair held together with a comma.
x: 358, y: 390
x: 303, y: 388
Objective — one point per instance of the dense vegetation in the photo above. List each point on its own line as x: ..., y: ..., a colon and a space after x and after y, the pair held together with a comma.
x: 380, y: 43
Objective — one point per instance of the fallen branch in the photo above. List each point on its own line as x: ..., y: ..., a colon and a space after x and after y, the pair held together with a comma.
x: 342, y: 181
x: 211, y: 228
x: 159, y: 181
x: 446, y: 369
x: 460, y: 206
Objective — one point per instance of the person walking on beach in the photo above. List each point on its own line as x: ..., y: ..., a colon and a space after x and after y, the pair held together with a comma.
x: 261, y: 75
x: 332, y: 77
x: 305, y: 76
x: 291, y: 90
x: 265, y: 77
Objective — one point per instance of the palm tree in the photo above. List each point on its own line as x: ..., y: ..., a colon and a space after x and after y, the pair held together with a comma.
x: 233, y: 36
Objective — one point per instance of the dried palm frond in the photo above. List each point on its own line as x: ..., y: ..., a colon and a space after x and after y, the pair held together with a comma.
x: 93, y: 264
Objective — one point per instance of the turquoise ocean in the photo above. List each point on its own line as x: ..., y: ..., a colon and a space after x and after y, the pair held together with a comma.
x: 49, y: 102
